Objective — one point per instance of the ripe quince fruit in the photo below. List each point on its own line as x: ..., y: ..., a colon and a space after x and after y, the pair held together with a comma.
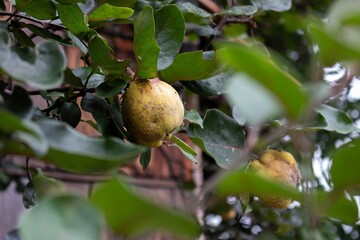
x: 152, y: 110
x: 280, y: 166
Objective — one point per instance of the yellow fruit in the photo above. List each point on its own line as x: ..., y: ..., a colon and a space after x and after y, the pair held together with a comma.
x: 280, y: 166
x: 152, y: 110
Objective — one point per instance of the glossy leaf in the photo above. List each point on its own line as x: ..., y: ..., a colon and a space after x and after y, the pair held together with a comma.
x: 22, y: 132
x: 194, y: 117
x: 345, y: 165
x: 40, y: 9
x: 103, y: 56
x: 191, y: 8
x: 336, y: 120
x: 73, y: 18
x: 130, y: 214
x: 252, y: 100
x: 107, y: 12
x: 76, y: 152
x: 109, y: 89
x: 196, y: 65
x: 122, y: 3
x: 274, y: 5
x: 188, y: 151
x: 169, y: 34
x: 41, y: 67
x: 146, y: 48
x: 72, y: 218
x: 70, y: 113
x: 283, y: 85
x: 246, y: 10
x: 221, y: 137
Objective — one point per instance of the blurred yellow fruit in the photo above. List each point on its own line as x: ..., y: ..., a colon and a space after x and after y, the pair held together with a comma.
x: 152, y: 110
x: 280, y: 166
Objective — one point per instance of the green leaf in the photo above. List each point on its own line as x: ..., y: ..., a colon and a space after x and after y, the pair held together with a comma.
x: 263, y: 104
x: 76, y: 152
x: 247, y: 10
x: 336, y: 120
x: 122, y: 3
x: 188, y: 151
x: 70, y: 1
x: 23, y: 39
x: 345, y: 166
x: 2, y: 6
x: 103, y: 56
x: 46, y: 186
x: 109, y: 89
x: 191, y: 8
x: 22, y: 132
x: 72, y: 218
x: 280, y: 83
x: 194, y: 117
x: 169, y: 34
x: 70, y: 113
x: 211, y: 86
x: 18, y: 102
x: 344, y: 13
x: 240, y: 181
x: 146, y: 48
x: 336, y: 205
x: 145, y: 158
x: 73, y: 18
x: 221, y: 137
x: 46, y: 34
x: 130, y: 214
x: 327, y: 41
x: 273, y: 5
x: 196, y: 65
x: 42, y: 67
x: 108, y: 12
x: 40, y: 9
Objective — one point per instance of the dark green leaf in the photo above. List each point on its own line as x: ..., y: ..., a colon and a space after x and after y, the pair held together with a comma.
x: 40, y: 9
x: 18, y: 102
x: 73, y: 151
x: 23, y: 38
x: 70, y: 113
x: 109, y: 89
x: 72, y: 218
x: 263, y: 104
x: 196, y: 65
x: 94, y: 104
x: 41, y: 67
x: 277, y: 5
x: 122, y: 3
x: 221, y: 137
x: 46, y: 34
x: 73, y: 18
x: 71, y: 79
x: 2, y: 6
x: 103, y: 56
x: 194, y: 117
x: 169, y: 33
x: 336, y: 120
x: 145, y: 47
x: 191, y: 8
x: 344, y: 168
x: 211, y: 86
x: 130, y: 214
x: 188, y: 151
x: 280, y: 83
x: 145, y: 158
x: 108, y: 12
x: 246, y: 10
x: 22, y: 132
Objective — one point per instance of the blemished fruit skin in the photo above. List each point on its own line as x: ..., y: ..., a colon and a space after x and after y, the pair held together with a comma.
x: 280, y: 166
x: 152, y: 110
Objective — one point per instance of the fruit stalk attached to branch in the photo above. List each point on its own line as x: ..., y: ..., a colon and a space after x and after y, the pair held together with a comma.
x: 280, y: 166
x: 152, y: 110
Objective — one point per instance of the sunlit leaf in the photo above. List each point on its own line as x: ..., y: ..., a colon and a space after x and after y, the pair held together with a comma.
x: 189, y: 152
x: 73, y: 18
x: 107, y: 11
x: 40, y: 9
x: 221, y: 137
x: 130, y: 214
x: 71, y: 217
x: 146, y: 48
x: 42, y: 67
